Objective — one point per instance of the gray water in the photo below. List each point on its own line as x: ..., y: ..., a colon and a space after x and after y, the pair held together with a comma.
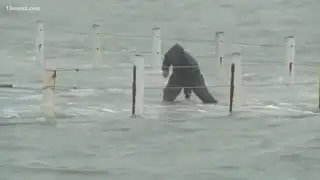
x: 275, y: 136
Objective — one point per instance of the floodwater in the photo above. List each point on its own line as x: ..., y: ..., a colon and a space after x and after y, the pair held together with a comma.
x: 275, y: 135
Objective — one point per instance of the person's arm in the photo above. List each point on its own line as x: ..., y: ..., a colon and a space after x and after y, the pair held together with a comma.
x: 166, y: 63
x: 165, y: 66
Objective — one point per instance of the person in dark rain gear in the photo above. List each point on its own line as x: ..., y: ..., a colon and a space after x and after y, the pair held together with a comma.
x: 185, y: 75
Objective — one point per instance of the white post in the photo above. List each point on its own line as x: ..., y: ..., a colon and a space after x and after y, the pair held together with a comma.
x: 39, y: 46
x: 156, y: 48
x: 318, y: 87
x: 49, y: 81
x: 97, y: 45
x: 220, y: 55
x: 139, y: 63
x: 238, y: 82
x: 219, y: 49
x: 290, y: 57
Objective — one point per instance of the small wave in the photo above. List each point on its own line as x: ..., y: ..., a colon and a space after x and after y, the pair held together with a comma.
x: 31, y: 97
x: 17, y: 123
x: 80, y: 93
x: 66, y: 170
x: 118, y: 90
x: 6, y: 75
x: 86, y: 111
x: 108, y: 110
x: 226, y: 5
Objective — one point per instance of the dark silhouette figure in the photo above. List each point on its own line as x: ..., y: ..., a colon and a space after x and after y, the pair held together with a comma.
x: 186, y: 75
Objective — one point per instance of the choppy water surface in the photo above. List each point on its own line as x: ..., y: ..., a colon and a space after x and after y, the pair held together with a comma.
x: 275, y: 136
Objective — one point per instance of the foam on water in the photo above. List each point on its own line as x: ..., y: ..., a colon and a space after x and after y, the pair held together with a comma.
x: 273, y: 136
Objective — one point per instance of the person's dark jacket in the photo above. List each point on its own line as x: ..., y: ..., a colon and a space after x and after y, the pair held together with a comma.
x: 182, y: 62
